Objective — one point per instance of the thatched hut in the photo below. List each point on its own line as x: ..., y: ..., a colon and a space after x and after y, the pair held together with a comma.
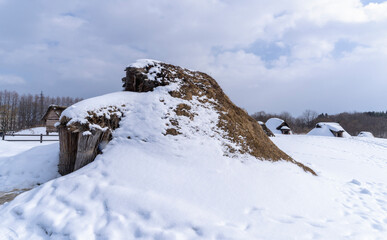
x: 88, y: 125
x: 330, y: 129
x: 51, y: 117
x: 278, y: 126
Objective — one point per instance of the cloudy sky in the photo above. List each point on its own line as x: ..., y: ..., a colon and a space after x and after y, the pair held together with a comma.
x: 280, y: 55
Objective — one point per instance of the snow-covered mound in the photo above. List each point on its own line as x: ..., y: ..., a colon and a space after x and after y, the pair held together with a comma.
x: 278, y: 126
x: 329, y: 129
x: 365, y: 134
x: 164, y: 101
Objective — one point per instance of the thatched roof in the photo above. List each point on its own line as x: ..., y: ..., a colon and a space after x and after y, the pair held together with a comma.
x: 268, y: 132
x: 328, y: 129
x: 237, y: 125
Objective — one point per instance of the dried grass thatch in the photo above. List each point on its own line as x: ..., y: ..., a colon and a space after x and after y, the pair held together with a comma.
x: 239, y: 127
x: 242, y: 133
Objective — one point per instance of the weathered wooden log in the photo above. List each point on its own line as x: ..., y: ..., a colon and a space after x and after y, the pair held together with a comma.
x: 68, y: 144
x: 80, y: 143
x: 89, y: 146
x: 137, y: 81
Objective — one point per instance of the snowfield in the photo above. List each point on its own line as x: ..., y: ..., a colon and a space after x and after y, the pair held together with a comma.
x: 166, y: 190
x: 28, y: 168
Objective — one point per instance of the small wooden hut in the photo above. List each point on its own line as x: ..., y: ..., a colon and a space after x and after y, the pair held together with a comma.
x: 278, y: 126
x: 51, y: 117
x: 331, y: 129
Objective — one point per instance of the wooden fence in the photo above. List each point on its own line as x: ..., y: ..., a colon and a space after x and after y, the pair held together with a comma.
x: 39, y: 137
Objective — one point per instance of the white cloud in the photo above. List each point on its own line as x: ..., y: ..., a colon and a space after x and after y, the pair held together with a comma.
x: 11, y: 80
x: 90, y: 43
x: 67, y: 22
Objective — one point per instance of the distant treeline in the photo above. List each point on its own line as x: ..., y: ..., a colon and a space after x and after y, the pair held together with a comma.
x: 25, y: 111
x: 353, y: 123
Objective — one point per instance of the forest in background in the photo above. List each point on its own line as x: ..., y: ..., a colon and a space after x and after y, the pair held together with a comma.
x: 353, y: 123
x: 25, y: 111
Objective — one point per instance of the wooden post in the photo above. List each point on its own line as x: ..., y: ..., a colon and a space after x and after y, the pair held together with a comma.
x: 3, y: 136
x: 41, y: 138
x: 68, y: 144
x: 88, y: 147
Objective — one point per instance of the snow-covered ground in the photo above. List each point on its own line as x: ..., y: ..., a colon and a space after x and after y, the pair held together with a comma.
x: 139, y: 189
x: 36, y: 130
x: 25, y: 164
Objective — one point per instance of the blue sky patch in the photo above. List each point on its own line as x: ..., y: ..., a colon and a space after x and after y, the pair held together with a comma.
x: 269, y: 51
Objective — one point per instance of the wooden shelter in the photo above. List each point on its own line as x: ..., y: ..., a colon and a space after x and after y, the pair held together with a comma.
x: 278, y: 126
x: 331, y: 129
x: 51, y: 117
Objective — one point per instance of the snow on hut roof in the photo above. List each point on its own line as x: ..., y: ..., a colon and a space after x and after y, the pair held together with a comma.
x: 365, y: 134
x: 326, y: 128
x: 331, y: 125
x: 141, y: 63
x: 285, y: 128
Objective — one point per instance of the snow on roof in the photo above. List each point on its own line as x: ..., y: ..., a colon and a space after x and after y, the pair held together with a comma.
x: 141, y: 63
x: 285, y: 128
x: 273, y: 124
x: 326, y: 128
x: 365, y: 134
x: 260, y: 123
x: 331, y: 125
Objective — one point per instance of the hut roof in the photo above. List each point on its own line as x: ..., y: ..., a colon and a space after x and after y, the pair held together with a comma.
x: 56, y: 108
x: 326, y: 128
x: 285, y: 128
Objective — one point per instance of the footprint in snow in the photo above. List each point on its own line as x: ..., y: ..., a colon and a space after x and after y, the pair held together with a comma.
x: 356, y: 182
x: 365, y: 191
